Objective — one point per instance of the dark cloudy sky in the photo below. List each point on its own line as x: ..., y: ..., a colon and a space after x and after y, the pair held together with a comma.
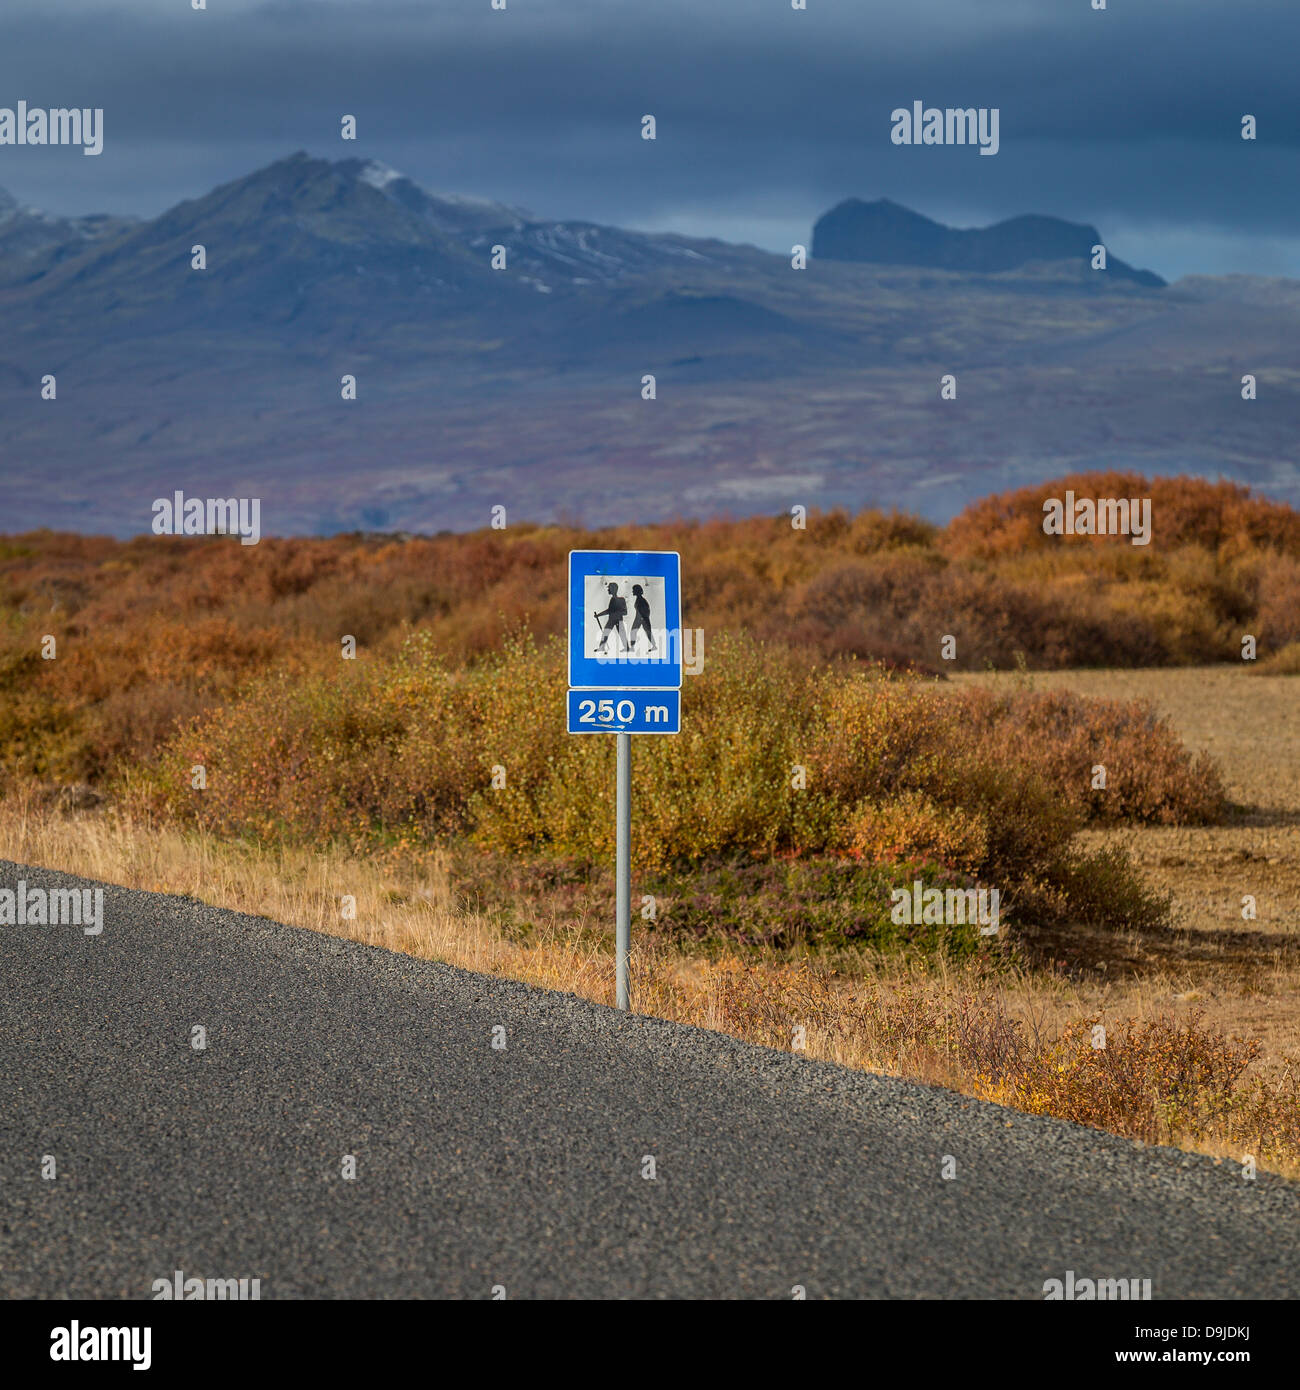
x: 1128, y: 118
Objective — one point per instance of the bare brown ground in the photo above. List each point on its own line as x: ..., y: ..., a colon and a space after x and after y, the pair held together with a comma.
x: 1245, y: 974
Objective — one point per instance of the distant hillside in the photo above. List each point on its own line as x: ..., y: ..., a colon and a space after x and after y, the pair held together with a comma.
x: 501, y: 358
x: 884, y: 233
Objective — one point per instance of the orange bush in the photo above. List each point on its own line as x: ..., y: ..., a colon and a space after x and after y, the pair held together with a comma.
x: 155, y: 630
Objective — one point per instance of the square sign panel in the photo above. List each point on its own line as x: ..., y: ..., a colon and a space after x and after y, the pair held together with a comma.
x: 625, y: 620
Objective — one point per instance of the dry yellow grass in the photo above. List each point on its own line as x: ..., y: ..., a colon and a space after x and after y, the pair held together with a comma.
x: 404, y: 904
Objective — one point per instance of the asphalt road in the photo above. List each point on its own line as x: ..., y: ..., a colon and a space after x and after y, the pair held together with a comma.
x: 523, y: 1167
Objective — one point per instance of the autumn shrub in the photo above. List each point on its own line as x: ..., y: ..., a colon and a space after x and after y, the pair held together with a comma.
x: 39, y: 737
x: 152, y: 631
x: 1219, y: 516
x: 1148, y: 1079
x: 776, y: 758
x: 913, y: 825
x: 372, y: 748
x: 1095, y: 888
x: 784, y: 904
x: 869, y: 606
x: 995, y: 617
x: 1282, y: 663
x: 112, y: 693
x: 787, y: 902
x: 1279, y: 603
x: 1115, y: 760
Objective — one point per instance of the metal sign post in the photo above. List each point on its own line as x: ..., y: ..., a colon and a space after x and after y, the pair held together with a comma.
x: 625, y: 678
x: 623, y: 871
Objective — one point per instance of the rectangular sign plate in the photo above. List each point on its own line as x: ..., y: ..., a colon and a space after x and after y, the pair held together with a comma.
x: 625, y: 620
x: 625, y: 711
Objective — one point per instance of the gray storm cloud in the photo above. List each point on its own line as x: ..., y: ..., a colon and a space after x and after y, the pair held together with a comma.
x: 1127, y: 117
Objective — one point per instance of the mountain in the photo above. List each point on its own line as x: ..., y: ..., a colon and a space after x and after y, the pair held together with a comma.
x: 27, y: 232
x: 884, y: 233
x: 545, y: 253
x: 309, y: 252
x: 307, y: 248
x: 306, y: 242
x: 527, y: 385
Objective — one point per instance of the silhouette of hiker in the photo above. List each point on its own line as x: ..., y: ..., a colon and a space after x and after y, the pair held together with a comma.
x: 614, y: 616
x: 642, y: 621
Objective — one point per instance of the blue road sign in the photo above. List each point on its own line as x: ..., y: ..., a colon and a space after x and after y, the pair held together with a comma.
x: 625, y: 674
x: 625, y: 711
x: 625, y: 620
